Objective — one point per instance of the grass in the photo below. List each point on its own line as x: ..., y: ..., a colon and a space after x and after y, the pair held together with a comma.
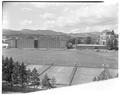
x: 88, y: 58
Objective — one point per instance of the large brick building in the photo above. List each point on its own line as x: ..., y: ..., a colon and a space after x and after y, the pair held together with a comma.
x: 41, y: 41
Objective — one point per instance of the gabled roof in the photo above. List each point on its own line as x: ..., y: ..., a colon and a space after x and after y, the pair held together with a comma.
x: 108, y: 32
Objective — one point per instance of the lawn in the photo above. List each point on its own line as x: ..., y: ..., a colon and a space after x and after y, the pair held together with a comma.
x: 88, y: 58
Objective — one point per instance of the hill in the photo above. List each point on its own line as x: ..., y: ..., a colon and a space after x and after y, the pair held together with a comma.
x: 31, y: 32
x: 91, y: 34
x: 8, y: 32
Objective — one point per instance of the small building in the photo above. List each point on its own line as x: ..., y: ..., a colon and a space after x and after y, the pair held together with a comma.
x: 5, y: 45
x: 5, y: 42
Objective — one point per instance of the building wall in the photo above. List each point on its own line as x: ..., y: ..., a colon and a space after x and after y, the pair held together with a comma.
x: 25, y: 43
x: 104, y: 37
x: 46, y: 42
x: 41, y: 42
x: 12, y: 43
x: 63, y: 44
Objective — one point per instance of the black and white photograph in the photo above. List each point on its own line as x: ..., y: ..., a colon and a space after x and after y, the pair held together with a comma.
x: 53, y: 44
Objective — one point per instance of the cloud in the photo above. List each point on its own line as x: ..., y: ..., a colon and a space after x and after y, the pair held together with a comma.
x: 5, y: 20
x: 66, y: 9
x: 89, y: 18
x: 26, y: 9
x: 64, y: 17
x: 50, y: 24
x: 5, y: 23
x: 39, y: 5
x: 44, y: 5
x: 48, y: 16
x: 26, y: 22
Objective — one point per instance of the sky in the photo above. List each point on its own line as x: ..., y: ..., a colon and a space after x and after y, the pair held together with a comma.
x: 60, y: 17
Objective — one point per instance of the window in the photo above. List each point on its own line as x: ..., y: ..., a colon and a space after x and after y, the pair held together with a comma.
x: 103, y: 43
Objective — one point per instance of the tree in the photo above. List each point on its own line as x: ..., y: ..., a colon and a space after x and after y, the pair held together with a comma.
x: 3, y: 68
x: 110, y: 45
x: 46, y: 82
x: 104, y: 75
x: 10, y: 71
x: 72, y: 40
x: 113, y: 32
x: 23, y: 74
x: 69, y: 45
x: 3, y: 59
x: 53, y: 82
x: 16, y: 73
x: 115, y: 44
x: 35, y: 77
x: 29, y: 77
x: 6, y: 61
x: 88, y: 40
x: 78, y: 41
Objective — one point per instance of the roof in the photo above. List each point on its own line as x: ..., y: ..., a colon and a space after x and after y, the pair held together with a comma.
x: 107, y: 32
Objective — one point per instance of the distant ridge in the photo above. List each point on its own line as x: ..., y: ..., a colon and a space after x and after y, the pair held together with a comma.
x: 49, y: 32
x: 91, y: 34
x: 28, y: 31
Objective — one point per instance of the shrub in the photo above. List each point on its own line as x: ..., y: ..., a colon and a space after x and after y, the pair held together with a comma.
x: 104, y: 75
x: 46, y: 82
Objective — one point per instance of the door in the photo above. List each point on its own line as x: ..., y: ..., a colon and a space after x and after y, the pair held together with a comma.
x: 35, y: 43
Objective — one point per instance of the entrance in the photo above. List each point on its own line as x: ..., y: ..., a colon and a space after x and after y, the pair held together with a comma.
x: 35, y: 43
